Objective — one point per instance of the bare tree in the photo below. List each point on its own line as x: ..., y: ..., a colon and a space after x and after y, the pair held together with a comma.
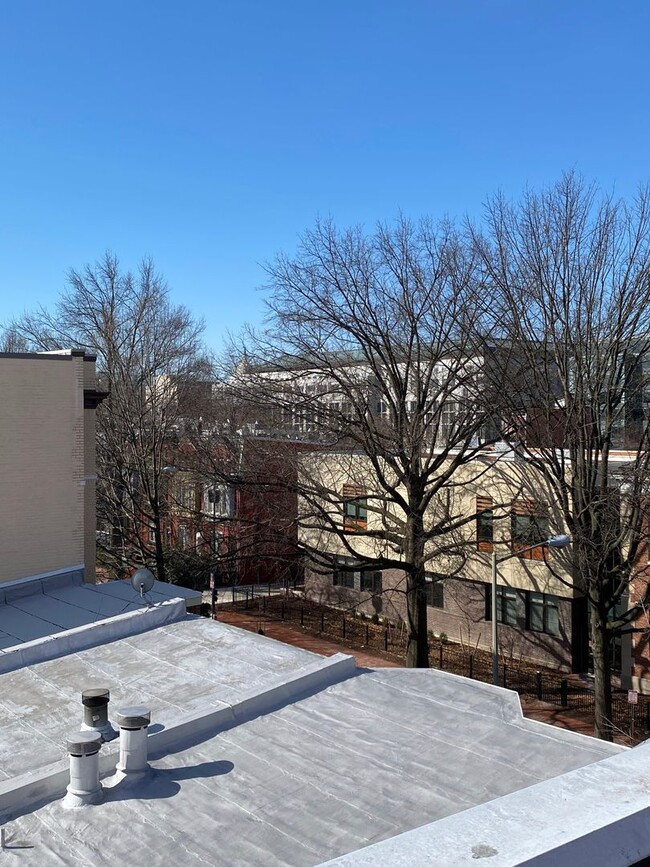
x: 567, y: 273
x: 148, y: 349
x: 369, y: 355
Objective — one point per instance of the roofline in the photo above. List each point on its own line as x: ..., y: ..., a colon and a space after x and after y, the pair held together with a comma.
x: 52, y: 355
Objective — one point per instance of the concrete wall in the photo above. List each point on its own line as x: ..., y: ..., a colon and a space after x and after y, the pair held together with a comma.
x: 47, y: 507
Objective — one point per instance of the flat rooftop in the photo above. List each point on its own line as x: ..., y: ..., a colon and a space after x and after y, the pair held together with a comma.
x: 34, y: 609
x: 263, y: 754
x: 188, y: 664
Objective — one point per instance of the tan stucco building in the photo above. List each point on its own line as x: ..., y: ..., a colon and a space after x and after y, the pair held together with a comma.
x: 47, y: 464
x: 507, y: 505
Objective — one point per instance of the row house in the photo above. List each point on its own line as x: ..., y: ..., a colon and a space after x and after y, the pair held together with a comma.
x: 236, y: 508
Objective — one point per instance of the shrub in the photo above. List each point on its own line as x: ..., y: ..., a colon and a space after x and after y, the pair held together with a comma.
x: 375, y: 618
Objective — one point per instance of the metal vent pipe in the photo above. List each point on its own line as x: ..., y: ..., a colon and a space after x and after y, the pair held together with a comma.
x: 95, y: 705
x: 133, y: 723
x: 84, y: 787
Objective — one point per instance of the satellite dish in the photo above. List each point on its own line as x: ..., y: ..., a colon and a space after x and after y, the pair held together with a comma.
x: 142, y: 580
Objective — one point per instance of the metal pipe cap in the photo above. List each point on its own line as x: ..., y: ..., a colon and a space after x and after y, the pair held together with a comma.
x: 83, y: 743
x: 95, y: 697
x: 137, y: 717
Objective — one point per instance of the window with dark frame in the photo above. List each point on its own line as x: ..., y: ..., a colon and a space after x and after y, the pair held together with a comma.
x: 543, y: 615
x: 355, y: 508
x: 529, y: 526
x: 369, y: 581
x: 434, y: 589
x: 343, y: 578
x: 484, y: 524
x: 525, y: 609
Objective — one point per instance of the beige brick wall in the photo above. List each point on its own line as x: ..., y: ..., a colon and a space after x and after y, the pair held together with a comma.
x: 90, y: 472
x: 45, y: 454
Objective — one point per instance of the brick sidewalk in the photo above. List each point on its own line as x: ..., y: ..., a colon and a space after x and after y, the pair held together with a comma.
x: 299, y: 637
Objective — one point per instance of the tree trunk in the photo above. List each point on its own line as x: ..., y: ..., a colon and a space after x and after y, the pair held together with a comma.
x: 417, y: 648
x: 161, y: 574
x: 600, y: 648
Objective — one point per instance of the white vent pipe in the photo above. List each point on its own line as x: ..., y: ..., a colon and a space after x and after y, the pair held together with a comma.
x: 84, y: 787
x: 133, y: 723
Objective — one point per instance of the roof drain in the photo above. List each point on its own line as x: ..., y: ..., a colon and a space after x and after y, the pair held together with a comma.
x: 133, y: 723
x: 84, y: 787
x: 95, y: 704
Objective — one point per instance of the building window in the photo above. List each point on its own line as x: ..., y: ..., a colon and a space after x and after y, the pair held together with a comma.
x: 355, y: 508
x: 343, y: 578
x: 354, y: 579
x: 525, y: 609
x: 528, y: 527
x: 343, y: 575
x: 186, y: 495
x: 543, y: 613
x: 484, y: 524
x: 371, y: 582
x: 511, y: 606
x: 449, y: 420
x: 434, y: 589
x: 452, y: 419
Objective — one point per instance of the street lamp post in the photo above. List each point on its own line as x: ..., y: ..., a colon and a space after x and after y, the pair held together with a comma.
x: 552, y: 542
x: 212, y: 496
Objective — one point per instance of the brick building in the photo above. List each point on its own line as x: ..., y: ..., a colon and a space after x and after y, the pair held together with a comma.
x: 236, y: 508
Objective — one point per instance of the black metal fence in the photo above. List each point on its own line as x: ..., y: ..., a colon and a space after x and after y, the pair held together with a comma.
x: 276, y: 601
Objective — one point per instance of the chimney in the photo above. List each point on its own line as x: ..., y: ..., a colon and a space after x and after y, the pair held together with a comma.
x: 84, y: 787
x: 95, y: 704
x: 133, y: 723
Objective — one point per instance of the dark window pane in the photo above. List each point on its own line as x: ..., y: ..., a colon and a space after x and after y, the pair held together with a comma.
x: 485, y: 526
x: 434, y: 589
x: 344, y: 577
x: 551, y: 618
x: 511, y: 607
x: 355, y: 514
x: 528, y: 530
x: 371, y: 582
x: 536, y: 613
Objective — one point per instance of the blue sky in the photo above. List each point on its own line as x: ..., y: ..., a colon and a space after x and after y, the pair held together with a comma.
x: 209, y: 134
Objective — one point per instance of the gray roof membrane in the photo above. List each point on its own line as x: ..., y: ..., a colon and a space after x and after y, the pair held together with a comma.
x: 181, y: 667
x: 360, y: 761
x: 43, y: 607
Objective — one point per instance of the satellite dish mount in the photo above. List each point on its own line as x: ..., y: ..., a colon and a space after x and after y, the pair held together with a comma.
x: 142, y: 581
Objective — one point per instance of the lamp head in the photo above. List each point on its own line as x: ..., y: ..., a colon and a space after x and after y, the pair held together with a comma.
x: 559, y: 541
